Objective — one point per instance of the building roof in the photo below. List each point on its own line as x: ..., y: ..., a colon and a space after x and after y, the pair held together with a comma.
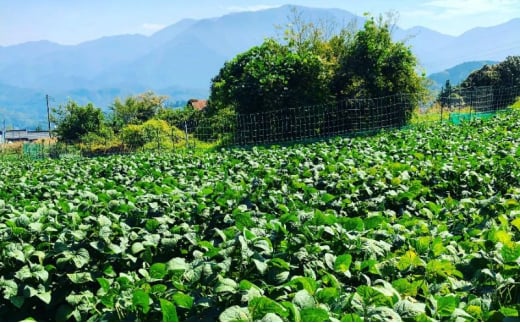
x: 198, y: 104
x: 25, y: 135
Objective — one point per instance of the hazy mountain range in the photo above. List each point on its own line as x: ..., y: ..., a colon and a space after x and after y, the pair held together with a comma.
x: 180, y: 60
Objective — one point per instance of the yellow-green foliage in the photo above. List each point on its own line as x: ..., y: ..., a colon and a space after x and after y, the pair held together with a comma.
x: 158, y: 134
x: 436, y: 112
x: 516, y: 105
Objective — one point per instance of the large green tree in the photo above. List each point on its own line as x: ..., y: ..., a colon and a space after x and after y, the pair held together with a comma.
x: 269, y: 77
x: 74, y: 121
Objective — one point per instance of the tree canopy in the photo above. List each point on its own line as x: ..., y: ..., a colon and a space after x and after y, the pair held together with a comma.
x: 74, y: 121
x: 268, y: 77
x: 312, y: 66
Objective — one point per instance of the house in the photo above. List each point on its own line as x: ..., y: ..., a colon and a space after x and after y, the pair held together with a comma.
x: 23, y: 135
x: 197, y: 104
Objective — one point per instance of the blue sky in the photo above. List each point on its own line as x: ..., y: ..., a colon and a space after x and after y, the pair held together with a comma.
x: 75, y: 21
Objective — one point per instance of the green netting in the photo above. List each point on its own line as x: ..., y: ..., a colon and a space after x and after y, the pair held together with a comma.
x: 33, y: 151
x: 458, y: 118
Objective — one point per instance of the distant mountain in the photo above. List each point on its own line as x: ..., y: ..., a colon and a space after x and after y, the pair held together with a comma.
x: 181, y: 59
x: 456, y: 74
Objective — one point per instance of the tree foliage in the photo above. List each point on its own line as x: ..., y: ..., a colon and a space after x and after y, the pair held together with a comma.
x: 269, y: 77
x: 506, y: 73
x: 136, y: 109
x: 499, y: 79
x: 74, y: 121
x: 375, y: 66
x: 316, y: 64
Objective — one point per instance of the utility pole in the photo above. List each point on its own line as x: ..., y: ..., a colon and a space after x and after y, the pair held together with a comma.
x: 48, y: 115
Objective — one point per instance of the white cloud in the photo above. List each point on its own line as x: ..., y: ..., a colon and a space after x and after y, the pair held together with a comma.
x: 457, y: 8
x: 251, y: 8
x: 152, y: 27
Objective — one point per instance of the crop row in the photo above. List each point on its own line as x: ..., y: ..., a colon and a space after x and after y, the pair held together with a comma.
x: 416, y: 224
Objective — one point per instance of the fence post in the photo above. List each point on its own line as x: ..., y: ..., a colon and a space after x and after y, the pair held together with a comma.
x: 186, y: 132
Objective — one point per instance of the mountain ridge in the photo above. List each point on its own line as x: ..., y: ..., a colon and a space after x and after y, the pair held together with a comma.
x: 182, y: 58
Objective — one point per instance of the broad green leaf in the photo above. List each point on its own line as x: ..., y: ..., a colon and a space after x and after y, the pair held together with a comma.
x: 409, y: 260
x: 141, y: 300
x: 516, y: 223
x: 158, y: 270
x: 104, y: 283
x: 260, y: 306
x: 177, y: 264
x: 373, y: 222
x: 510, y: 252
x: 342, y: 263
x: 261, y: 265
x: 271, y: 317
x: 182, y: 300
x: 9, y: 288
x: 17, y: 301
x: 314, y: 314
x: 169, y: 312
x: 446, y: 305
x: 137, y: 247
x: 80, y: 278
x: 235, y: 314
x: 81, y: 258
x: 226, y: 285
x: 351, y: 317
x: 45, y: 297
x: 307, y: 283
x: 327, y: 198
x: 303, y: 299
x: 327, y: 295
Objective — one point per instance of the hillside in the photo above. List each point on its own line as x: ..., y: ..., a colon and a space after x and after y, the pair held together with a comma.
x: 456, y: 74
x: 180, y: 60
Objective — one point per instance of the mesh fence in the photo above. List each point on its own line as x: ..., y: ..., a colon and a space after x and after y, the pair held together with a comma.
x: 352, y: 117
x: 344, y: 118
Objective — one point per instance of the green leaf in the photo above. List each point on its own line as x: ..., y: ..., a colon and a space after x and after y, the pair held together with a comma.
x: 80, y: 278
x: 226, y: 285
x: 104, y: 283
x: 314, y: 315
x: 81, y: 258
x: 516, y: 223
x: 158, y: 270
x: 261, y: 265
x: 17, y: 301
x: 342, y: 263
x: 9, y: 287
x: 137, y: 247
x: 271, y: 317
x: 260, y: 306
x: 446, y: 305
x: 327, y: 295
x: 45, y: 297
x: 169, y: 312
x: 182, y: 300
x: 327, y: 198
x: 510, y: 252
x: 235, y: 314
x: 303, y: 299
x: 307, y: 283
x: 141, y: 300
x: 371, y: 296
x: 409, y: 260
x: 177, y: 264
x: 351, y: 317
x: 373, y: 222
